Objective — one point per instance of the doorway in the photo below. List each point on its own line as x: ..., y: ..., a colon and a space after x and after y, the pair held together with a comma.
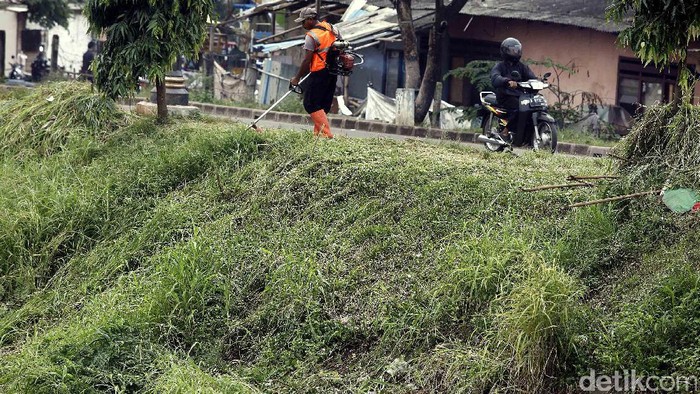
x: 2, y: 52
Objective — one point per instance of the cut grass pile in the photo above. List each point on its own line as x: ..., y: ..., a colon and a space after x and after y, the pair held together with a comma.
x: 663, y: 148
x: 40, y: 122
x: 200, y: 257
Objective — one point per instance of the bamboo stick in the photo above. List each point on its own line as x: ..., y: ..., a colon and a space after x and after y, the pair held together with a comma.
x: 581, y: 177
x: 611, y: 199
x: 547, y: 187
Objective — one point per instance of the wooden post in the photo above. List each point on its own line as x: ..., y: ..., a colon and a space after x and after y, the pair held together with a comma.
x: 210, y: 56
x: 435, y: 121
x: 405, y: 106
x: 274, y: 24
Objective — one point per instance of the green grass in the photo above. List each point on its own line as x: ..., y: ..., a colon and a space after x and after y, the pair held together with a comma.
x: 198, y: 256
x: 584, y: 138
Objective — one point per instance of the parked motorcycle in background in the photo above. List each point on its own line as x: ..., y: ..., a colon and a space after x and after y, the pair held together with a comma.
x: 541, y: 130
x: 16, y: 72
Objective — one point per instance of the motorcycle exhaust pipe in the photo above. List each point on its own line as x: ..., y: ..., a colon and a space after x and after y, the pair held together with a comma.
x: 484, y: 139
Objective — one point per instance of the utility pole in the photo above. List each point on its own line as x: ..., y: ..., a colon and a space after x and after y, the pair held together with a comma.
x: 210, y: 56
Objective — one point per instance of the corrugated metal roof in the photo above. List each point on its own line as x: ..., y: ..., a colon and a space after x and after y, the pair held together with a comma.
x: 362, y: 24
x: 582, y: 13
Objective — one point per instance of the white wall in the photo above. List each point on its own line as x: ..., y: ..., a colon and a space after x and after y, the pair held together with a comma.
x: 72, y: 42
x: 8, y: 23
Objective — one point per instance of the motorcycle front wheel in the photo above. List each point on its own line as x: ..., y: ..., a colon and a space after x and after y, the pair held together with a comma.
x: 548, y: 137
x: 490, y: 129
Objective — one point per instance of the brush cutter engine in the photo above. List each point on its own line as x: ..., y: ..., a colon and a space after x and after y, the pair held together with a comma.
x: 341, y: 58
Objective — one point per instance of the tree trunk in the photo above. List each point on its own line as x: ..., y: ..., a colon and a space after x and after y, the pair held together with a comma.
x: 410, y: 44
x: 432, y: 65
x: 430, y: 76
x: 160, y: 101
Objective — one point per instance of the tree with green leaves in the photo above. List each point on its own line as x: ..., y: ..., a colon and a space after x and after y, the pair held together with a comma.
x: 660, y: 32
x: 144, y: 38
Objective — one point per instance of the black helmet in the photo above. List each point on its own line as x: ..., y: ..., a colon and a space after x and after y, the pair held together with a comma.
x: 511, y: 49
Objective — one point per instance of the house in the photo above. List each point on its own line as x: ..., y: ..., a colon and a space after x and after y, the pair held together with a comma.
x: 64, y: 45
x: 12, y: 18
x: 573, y: 33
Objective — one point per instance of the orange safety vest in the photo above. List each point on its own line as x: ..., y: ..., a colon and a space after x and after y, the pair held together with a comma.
x: 323, y: 36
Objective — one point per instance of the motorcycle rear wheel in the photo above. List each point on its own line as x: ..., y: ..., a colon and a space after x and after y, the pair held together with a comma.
x: 549, y: 133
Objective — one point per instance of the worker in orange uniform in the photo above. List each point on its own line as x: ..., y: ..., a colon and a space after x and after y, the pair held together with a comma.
x: 320, y: 85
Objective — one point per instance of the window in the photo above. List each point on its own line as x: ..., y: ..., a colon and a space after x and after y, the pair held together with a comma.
x: 644, y: 85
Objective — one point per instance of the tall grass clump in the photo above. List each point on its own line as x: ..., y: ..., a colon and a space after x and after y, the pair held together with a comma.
x: 44, y: 120
x: 532, y: 323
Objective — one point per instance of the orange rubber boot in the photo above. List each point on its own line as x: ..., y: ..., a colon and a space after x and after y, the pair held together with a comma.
x: 317, y: 126
x: 318, y: 122
x: 321, y: 123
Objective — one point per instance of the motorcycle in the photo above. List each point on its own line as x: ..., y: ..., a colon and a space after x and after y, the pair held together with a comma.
x: 540, y: 130
x: 16, y: 72
x: 40, y: 66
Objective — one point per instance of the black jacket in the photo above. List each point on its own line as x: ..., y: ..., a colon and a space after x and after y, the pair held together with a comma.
x: 88, y: 57
x: 501, y: 75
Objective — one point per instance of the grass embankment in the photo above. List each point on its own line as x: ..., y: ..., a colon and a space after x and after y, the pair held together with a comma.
x: 199, y: 257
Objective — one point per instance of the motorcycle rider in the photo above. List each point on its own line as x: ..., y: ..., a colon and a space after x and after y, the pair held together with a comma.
x: 40, y: 65
x: 88, y: 58
x: 505, y: 82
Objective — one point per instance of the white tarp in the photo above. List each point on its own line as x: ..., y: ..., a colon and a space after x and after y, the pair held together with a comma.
x: 448, y: 119
x: 383, y: 108
x: 380, y: 107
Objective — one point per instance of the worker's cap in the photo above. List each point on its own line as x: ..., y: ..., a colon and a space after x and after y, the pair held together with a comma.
x: 305, y: 13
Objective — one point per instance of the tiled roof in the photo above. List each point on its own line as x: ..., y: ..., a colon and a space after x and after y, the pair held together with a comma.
x: 582, y: 13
